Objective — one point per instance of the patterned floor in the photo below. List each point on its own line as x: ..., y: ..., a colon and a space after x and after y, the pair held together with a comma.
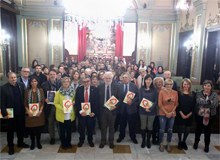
x: 125, y: 150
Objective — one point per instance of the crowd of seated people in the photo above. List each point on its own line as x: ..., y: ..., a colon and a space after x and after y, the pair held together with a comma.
x: 110, y: 93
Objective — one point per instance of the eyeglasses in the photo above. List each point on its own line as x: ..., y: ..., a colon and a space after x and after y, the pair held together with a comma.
x: 26, y: 71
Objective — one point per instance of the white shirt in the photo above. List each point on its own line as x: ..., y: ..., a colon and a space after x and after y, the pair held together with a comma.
x: 25, y: 81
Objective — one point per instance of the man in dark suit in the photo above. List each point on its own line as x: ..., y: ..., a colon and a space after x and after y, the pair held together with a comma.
x: 51, y: 85
x: 128, y: 111
x: 86, y: 93
x: 12, y: 96
x: 107, y: 117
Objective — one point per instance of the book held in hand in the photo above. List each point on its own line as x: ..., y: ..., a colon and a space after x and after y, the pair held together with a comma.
x: 86, y: 107
x: 67, y: 106
x: 10, y: 112
x: 129, y: 95
x: 34, y: 108
x: 50, y: 96
x: 111, y: 103
x: 145, y: 103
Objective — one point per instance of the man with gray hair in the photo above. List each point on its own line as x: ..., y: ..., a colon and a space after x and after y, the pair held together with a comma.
x: 24, y: 78
x: 167, y: 75
x: 107, y: 117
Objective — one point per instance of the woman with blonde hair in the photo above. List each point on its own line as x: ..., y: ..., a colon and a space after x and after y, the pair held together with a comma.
x: 65, y: 95
x: 185, y: 110
x: 167, y: 102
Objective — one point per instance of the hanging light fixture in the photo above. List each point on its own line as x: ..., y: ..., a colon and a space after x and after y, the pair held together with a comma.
x: 86, y: 12
x: 184, y: 4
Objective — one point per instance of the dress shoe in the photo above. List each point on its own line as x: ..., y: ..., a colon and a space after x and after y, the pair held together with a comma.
x: 180, y: 146
x: 91, y: 144
x: 143, y: 144
x: 32, y: 146
x: 206, y: 149
x: 148, y: 144
x: 39, y: 146
x: 11, y: 150
x: 111, y: 145
x: 102, y: 145
x: 23, y: 145
x: 184, y: 146
x: 52, y: 141
x: 119, y: 140
x: 195, y: 145
x: 80, y: 144
x: 134, y: 141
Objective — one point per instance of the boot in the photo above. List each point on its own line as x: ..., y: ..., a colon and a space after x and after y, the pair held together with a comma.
x: 143, y: 134
x: 39, y: 146
x: 32, y: 142
x: 149, y: 133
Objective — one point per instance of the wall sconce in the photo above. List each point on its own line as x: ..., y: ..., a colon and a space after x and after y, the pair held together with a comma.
x: 184, y: 4
x: 190, y: 44
x: 5, y: 44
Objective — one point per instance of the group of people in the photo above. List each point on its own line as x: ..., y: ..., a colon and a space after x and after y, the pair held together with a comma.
x: 111, y: 93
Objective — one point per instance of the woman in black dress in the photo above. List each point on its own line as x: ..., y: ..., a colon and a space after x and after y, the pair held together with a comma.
x: 185, y: 112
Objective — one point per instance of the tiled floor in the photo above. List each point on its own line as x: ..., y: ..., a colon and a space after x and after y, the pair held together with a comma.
x: 50, y: 152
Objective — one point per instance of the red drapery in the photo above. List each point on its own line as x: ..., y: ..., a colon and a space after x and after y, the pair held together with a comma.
x: 81, y: 43
x: 119, y: 41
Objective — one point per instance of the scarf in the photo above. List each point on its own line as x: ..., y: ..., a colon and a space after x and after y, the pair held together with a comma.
x: 30, y: 96
x: 67, y: 92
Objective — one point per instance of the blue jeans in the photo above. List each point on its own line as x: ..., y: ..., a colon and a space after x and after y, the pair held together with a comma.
x: 169, y: 122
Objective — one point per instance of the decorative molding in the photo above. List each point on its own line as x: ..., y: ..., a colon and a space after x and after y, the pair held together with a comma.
x: 216, y: 19
x: 37, y: 24
x: 160, y: 27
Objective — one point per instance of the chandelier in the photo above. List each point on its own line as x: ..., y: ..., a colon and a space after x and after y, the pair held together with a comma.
x: 85, y: 12
x: 184, y: 4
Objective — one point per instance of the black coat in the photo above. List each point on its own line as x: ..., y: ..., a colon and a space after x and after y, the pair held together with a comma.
x: 7, y: 98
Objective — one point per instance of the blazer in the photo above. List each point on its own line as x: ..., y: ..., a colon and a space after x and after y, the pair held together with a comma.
x: 7, y: 98
x: 114, y: 92
x: 133, y: 108
x: 93, y: 99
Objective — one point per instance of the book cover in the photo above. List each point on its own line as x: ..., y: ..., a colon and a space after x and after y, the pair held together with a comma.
x: 67, y: 106
x: 50, y: 96
x: 145, y: 103
x: 129, y: 95
x: 34, y: 108
x: 111, y: 103
x: 86, y: 107
x: 10, y: 112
